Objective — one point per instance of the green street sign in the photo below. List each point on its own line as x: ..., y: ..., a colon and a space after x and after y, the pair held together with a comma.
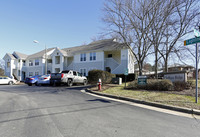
x: 192, y: 41
x: 126, y: 72
x: 196, y: 33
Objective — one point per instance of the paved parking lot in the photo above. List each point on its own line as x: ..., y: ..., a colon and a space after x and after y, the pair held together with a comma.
x: 66, y: 112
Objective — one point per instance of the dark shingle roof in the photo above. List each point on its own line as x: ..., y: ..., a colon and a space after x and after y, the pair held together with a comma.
x: 101, y: 45
x: 21, y: 55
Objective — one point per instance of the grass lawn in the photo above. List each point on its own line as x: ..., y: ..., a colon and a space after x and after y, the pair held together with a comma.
x: 155, y: 96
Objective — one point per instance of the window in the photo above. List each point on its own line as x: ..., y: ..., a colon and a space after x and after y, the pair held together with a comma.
x: 8, y: 64
x: 36, y: 73
x: 57, y: 59
x: 30, y: 63
x: 30, y: 74
x: 83, y: 57
x: 57, y: 70
x: 37, y: 62
x: 93, y: 56
x: 79, y: 74
x: 83, y: 72
x: 24, y: 63
x: 49, y: 61
x: 109, y: 55
x: 74, y: 73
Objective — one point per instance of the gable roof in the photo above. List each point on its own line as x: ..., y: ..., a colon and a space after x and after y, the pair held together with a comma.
x: 108, y: 44
x: 39, y: 54
x: 20, y: 55
x: 10, y: 55
x: 62, y: 51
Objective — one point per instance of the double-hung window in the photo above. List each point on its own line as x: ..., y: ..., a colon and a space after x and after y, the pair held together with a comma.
x: 36, y: 73
x: 37, y: 62
x: 30, y: 74
x: 83, y: 57
x: 30, y: 63
x: 83, y: 72
x: 92, y: 56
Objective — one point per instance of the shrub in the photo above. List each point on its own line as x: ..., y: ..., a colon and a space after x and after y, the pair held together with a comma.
x: 153, y: 84
x: 179, y: 86
x: 95, y: 75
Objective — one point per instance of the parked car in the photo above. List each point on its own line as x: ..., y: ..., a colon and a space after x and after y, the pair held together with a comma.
x: 7, y: 80
x: 32, y: 80
x: 68, y: 77
x: 44, y: 79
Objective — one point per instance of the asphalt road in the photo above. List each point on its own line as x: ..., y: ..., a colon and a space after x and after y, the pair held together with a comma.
x: 66, y: 112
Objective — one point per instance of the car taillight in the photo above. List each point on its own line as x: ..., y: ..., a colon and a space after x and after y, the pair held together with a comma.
x: 50, y: 75
x: 45, y: 78
x: 31, y: 78
x: 62, y: 75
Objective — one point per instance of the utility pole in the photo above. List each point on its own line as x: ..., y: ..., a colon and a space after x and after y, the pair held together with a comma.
x: 45, y: 60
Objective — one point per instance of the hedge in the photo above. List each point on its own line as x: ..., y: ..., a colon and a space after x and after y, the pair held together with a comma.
x: 153, y: 84
x: 95, y: 75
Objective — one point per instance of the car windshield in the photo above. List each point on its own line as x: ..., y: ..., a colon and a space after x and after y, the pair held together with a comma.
x: 65, y: 71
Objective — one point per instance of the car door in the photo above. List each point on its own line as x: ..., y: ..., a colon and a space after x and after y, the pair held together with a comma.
x: 6, y: 80
x: 81, y: 79
x: 1, y: 80
x: 75, y: 77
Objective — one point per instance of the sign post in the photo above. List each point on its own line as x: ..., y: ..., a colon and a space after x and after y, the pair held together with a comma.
x: 195, y: 41
x: 126, y: 73
x: 196, y: 100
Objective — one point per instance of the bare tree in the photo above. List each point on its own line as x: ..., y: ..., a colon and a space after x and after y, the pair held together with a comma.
x: 178, y: 24
x: 128, y: 20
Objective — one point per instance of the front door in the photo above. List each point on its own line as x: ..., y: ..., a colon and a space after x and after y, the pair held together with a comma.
x: 23, y: 76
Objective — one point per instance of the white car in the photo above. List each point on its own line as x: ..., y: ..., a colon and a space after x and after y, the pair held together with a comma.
x: 7, y: 80
x: 44, y: 79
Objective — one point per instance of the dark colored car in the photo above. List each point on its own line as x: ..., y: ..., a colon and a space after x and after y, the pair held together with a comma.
x: 32, y: 80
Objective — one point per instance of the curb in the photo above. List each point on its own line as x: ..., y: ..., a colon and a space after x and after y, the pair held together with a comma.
x: 174, y: 108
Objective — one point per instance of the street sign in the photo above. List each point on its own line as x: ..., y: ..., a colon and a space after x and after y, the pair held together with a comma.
x: 192, y: 41
x: 126, y: 72
x: 196, y: 33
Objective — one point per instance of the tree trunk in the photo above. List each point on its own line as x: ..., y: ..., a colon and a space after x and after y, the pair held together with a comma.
x: 156, y: 62
x: 166, y: 64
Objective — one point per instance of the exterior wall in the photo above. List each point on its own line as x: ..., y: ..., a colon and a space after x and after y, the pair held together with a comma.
x: 116, y: 55
x: 131, y: 62
x: 35, y: 68
x: 9, y: 70
x: 54, y: 65
x: 119, y: 62
x: 89, y: 65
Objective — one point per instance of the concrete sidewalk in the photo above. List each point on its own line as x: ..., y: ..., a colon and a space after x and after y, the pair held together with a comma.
x: 159, y: 105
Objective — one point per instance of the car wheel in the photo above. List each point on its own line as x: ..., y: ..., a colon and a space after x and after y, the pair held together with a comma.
x: 36, y: 83
x: 85, y: 82
x: 29, y: 84
x: 10, y: 83
x: 69, y: 82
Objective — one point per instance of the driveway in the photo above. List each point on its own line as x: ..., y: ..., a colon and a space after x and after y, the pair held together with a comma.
x: 66, y: 112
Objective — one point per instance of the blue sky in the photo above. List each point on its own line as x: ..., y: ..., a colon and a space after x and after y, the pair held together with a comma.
x: 56, y: 23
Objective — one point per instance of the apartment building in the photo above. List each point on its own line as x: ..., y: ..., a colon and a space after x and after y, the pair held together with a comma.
x: 107, y: 55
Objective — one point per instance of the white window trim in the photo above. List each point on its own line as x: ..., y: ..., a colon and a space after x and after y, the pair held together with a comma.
x: 85, y: 71
x: 83, y: 56
x: 93, y: 54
